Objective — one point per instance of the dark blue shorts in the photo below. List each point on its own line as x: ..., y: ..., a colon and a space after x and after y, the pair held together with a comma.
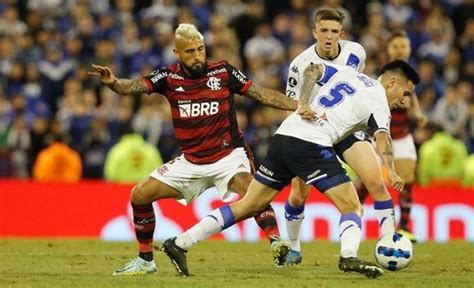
x: 289, y: 157
x: 347, y: 142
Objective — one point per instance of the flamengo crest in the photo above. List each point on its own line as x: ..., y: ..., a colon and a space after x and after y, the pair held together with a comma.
x: 214, y: 83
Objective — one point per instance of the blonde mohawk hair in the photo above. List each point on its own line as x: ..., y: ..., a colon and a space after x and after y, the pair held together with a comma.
x: 188, y: 31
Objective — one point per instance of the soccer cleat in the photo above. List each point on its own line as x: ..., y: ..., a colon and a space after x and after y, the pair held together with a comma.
x: 368, y: 269
x: 177, y: 256
x: 137, y: 266
x: 294, y: 258
x: 408, y: 235
x: 280, y: 250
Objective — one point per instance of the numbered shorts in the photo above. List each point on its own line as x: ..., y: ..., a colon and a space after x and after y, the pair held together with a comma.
x: 347, y: 142
x: 289, y: 157
x: 192, y: 179
x: 404, y: 148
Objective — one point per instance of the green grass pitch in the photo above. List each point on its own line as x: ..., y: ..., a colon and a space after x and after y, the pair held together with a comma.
x: 217, y: 263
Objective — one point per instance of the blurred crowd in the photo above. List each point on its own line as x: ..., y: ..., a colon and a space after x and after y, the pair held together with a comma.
x: 47, y: 47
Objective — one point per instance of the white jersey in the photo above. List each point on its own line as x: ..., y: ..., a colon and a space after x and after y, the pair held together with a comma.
x: 351, y: 54
x: 347, y: 101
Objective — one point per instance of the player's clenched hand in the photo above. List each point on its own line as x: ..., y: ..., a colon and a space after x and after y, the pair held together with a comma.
x: 395, y: 180
x: 305, y: 112
x: 104, y: 73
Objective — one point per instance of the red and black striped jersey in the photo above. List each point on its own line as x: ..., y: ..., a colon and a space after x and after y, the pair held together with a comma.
x: 202, y: 108
x: 399, y: 126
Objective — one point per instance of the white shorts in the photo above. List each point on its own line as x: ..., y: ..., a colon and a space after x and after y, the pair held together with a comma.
x: 404, y: 148
x: 193, y: 179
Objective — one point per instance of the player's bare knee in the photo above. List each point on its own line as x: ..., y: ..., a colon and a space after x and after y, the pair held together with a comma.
x: 376, y: 188
x: 138, y: 195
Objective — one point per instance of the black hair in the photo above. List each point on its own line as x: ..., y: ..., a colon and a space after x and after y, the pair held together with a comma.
x: 396, y: 34
x: 402, y: 67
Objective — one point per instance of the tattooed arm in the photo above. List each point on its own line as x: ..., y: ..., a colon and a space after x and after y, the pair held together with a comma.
x: 384, y: 148
x: 271, y: 98
x: 383, y: 143
x: 127, y: 86
x: 310, y: 75
x: 120, y: 86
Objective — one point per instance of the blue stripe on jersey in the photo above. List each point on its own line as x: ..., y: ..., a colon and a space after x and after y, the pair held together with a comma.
x: 329, y: 71
x: 353, y: 61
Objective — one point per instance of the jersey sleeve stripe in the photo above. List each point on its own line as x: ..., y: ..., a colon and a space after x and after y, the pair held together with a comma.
x: 329, y: 71
x: 148, y: 84
x: 246, y: 87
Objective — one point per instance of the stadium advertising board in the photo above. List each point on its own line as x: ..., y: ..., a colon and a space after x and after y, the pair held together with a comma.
x: 97, y: 209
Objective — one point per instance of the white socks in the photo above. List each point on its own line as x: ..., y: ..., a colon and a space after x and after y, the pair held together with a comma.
x: 294, y: 218
x: 385, y: 215
x: 350, y: 233
x: 208, y: 226
x: 213, y: 223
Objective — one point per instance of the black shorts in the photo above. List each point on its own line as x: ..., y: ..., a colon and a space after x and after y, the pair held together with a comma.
x: 289, y: 157
x: 347, y: 142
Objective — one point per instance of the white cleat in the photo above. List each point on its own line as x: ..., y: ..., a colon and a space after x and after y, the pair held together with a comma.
x: 137, y: 266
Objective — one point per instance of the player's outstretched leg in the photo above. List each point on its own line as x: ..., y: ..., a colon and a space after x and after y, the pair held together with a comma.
x: 280, y: 251
x: 177, y: 256
x: 352, y: 264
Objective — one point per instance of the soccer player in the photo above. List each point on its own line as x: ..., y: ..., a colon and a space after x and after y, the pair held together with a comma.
x: 404, y: 151
x: 348, y: 101
x: 201, y: 96
x: 354, y: 150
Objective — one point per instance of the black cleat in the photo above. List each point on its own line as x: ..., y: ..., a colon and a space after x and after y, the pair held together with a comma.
x: 353, y: 264
x: 177, y: 256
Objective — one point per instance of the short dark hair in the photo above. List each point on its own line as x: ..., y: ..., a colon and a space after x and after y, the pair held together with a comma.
x: 396, y: 34
x: 329, y: 14
x: 401, y: 67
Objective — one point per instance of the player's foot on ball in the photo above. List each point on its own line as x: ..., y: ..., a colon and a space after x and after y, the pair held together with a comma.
x: 356, y: 265
x: 177, y: 256
x: 294, y: 258
x: 280, y: 250
x: 408, y: 235
x: 137, y: 266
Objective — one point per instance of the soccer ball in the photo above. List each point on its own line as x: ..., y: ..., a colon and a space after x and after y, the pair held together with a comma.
x: 394, y: 251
